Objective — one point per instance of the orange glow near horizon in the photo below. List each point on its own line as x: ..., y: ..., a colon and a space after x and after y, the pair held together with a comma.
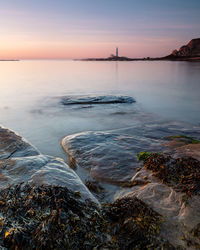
x: 87, y: 49
x: 84, y: 29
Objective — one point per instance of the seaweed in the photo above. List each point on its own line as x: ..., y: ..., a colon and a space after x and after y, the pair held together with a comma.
x: 183, y: 138
x: 183, y: 174
x: 143, y: 156
x: 48, y: 217
x: 135, y: 225
x: 54, y: 217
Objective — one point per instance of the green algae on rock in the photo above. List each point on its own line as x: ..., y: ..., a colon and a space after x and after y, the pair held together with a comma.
x: 183, y: 138
x: 143, y: 156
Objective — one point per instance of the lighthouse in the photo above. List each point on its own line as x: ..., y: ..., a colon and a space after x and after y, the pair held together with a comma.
x: 117, y: 52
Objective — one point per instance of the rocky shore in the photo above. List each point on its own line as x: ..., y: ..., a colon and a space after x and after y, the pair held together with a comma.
x: 45, y: 205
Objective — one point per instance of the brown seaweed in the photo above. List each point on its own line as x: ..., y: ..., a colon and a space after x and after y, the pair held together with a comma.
x: 53, y: 217
x: 183, y: 174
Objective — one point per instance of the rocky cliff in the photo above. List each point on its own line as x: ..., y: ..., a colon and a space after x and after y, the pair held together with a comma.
x: 192, y: 49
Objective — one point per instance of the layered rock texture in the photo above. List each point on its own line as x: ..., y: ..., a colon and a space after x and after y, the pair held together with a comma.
x: 192, y: 49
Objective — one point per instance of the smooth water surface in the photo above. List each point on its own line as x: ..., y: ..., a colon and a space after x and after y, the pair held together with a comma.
x: 30, y: 92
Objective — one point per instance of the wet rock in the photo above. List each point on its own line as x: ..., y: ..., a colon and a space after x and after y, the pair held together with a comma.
x: 87, y: 100
x: 13, y: 145
x: 111, y: 156
x: 21, y: 162
x: 183, y: 146
x: 108, y: 156
x: 96, y: 189
x: 94, y: 186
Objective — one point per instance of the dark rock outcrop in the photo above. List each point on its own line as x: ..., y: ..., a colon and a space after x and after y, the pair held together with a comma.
x: 192, y: 49
x: 87, y: 100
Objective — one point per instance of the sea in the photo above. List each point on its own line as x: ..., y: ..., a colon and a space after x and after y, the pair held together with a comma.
x: 31, y: 92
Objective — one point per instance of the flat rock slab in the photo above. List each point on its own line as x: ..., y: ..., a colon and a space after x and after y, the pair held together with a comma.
x: 111, y: 156
x: 87, y: 100
x: 21, y: 162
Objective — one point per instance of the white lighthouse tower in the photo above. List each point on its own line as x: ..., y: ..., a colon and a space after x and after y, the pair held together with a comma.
x: 117, y: 54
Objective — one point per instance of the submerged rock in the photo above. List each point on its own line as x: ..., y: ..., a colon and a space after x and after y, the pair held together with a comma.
x: 86, y: 100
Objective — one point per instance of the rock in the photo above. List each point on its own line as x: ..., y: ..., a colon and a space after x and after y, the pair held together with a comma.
x: 51, y: 217
x: 111, y: 156
x: 192, y: 49
x: 54, y: 217
x: 86, y: 100
x: 172, y: 191
x: 13, y: 145
x: 182, y: 174
x: 191, y: 150
x: 183, y: 146
x: 135, y: 225
x: 21, y: 162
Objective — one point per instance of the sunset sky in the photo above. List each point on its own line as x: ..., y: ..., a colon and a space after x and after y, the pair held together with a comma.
x: 31, y: 29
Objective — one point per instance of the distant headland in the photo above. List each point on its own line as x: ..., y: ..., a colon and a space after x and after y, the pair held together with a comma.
x: 189, y: 52
x: 9, y: 60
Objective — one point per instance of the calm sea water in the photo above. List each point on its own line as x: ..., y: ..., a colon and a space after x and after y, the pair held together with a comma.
x: 30, y: 92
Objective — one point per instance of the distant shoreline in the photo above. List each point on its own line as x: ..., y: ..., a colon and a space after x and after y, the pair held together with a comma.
x: 166, y: 58
x: 9, y: 60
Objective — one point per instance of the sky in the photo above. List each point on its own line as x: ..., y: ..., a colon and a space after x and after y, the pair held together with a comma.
x: 50, y: 29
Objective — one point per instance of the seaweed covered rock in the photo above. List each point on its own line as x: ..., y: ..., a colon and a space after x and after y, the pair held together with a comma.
x: 135, y: 225
x: 53, y: 217
x: 183, y: 174
x: 49, y: 217
x: 172, y: 190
